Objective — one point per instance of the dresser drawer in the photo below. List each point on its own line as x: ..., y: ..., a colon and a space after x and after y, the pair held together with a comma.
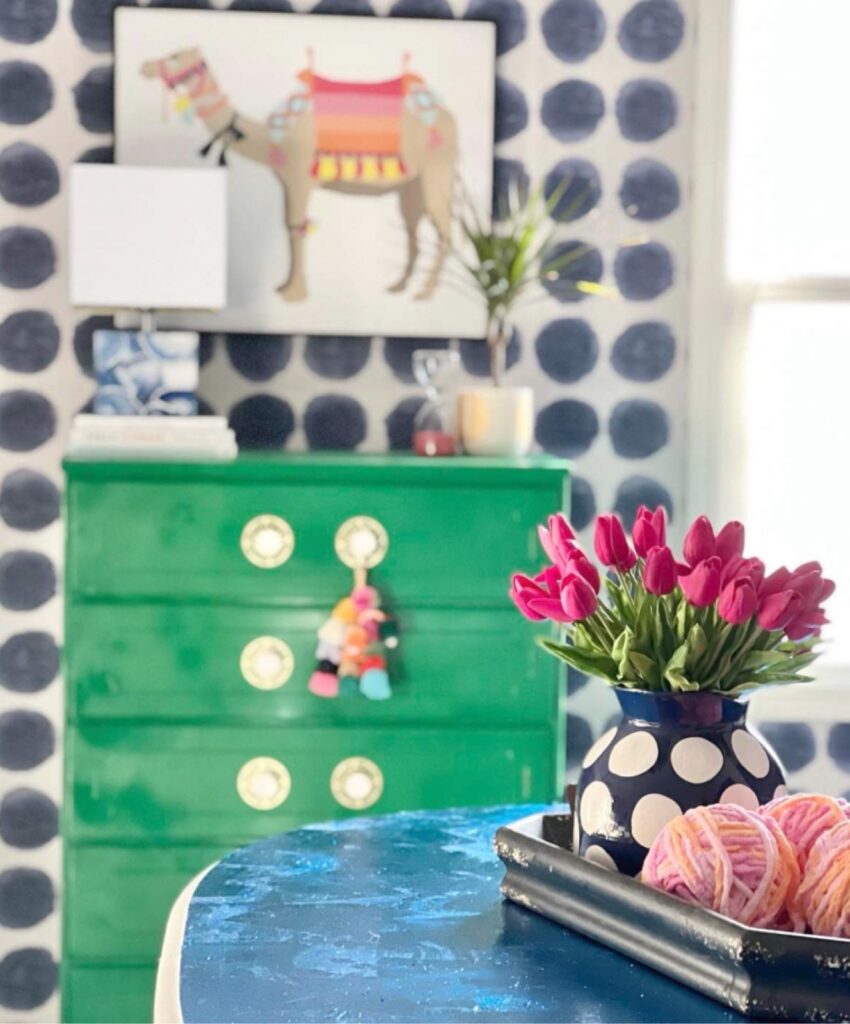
x: 185, y: 783
x: 453, y: 544
x: 124, y: 922
x: 106, y: 994
x: 195, y: 662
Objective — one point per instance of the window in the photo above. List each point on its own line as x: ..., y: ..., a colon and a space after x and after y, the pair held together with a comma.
x: 782, y: 278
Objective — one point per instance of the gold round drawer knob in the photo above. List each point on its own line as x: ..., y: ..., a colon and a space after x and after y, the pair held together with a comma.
x: 357, y: 783
x: 361, y: 542
x: 266, y: 662
x: 267, y: 541
x: 263, y: 783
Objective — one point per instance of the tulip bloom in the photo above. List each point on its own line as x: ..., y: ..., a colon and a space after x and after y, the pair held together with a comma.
x: 743, y: 568
x: 729, y: 543
x: 702, y: 584
x: 659, y: 572
x: 539, y: 598
x: 777, y: 611
x: 737, y: 601
x: 778, y: 580
x: 699, y: 542
x: 610, y: 544
x: 578, y: 598
x: 578, y: 564
x: 556, y: 538
x: 649, y: 530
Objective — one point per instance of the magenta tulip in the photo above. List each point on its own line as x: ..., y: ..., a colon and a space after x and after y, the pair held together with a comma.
x: 649, y: 530
x: 729, y: 542
x: 737, y: 601
x: 539, y: 598
x: 659, y: 572
x: 751, y: 569
x: 778, y: 610
x: 699, y: 542
x: 778, y: 580
x: 610, y: 544
x: 800, y: 629
x: 702, y: 584
x: 556, y: 538
x: 578, y: 598
x: 523, y: 588
x: 578, y: 564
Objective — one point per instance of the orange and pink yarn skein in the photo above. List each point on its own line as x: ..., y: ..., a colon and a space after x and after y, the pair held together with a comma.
x: 825, y: 892
x: 804, y: 817
x: 729, y: 860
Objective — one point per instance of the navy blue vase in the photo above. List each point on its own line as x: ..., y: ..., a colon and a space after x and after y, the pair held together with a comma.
x: 670, y: 752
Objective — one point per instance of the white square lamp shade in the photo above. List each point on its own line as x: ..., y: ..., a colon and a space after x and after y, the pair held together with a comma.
x: 148, y: 238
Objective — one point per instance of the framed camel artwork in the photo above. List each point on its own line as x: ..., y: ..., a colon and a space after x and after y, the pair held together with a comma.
x: 348, y: 142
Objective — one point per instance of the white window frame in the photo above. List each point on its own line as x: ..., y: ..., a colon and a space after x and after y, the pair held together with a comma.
x: 720, y: 313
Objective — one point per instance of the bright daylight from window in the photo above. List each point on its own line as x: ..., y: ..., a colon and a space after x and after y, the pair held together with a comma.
x: 789, y: 221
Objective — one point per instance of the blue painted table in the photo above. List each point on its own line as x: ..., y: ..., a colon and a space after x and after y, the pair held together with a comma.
x: 399, y: 919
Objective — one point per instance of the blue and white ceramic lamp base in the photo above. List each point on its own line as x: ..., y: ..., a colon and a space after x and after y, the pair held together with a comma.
x: 142, y: 373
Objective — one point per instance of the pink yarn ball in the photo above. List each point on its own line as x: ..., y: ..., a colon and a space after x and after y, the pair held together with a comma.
x: 804, y: 817
x: 730, y: 860
x: 825, y: 892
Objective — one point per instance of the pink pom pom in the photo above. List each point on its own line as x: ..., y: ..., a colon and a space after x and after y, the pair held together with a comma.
x: 364, y: 597
x: 324, y: 684
x: 729, y: 860
x: 825, y: 892
x: 804, y: 817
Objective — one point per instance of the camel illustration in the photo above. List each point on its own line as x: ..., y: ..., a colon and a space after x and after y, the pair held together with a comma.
x: 359, y: 138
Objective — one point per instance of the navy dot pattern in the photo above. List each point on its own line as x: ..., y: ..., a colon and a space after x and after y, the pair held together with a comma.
x: 572, y: 189
x: 26, y: 897
x: 28, y: 175
x: 27, y: 21
x: 607, y: 370
x: 573, y: 29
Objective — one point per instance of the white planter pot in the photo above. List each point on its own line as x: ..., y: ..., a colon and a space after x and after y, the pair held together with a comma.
x: 496, y: 421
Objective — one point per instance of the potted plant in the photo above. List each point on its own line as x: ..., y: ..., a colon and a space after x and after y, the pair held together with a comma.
x: 505, y: 261
x: 681, y: 642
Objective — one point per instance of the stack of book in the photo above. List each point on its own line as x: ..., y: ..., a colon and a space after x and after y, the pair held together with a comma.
x: 159, y: 437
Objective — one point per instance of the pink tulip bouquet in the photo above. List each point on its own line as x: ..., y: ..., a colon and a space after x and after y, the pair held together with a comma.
x: 713, y: 621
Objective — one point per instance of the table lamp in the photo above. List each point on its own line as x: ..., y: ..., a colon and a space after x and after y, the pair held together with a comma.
x: 147, y: 239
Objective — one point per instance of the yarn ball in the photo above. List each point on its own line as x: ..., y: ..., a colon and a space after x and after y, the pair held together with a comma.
x: 730, y: 860
x: 825, y: 892
x: 804, y: 817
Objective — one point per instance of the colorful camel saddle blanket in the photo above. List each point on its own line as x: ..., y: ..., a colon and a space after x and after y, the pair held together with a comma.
x: 358, y: 126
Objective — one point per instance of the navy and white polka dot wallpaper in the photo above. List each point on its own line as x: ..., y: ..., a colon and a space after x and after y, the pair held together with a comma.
x: 598, y: 89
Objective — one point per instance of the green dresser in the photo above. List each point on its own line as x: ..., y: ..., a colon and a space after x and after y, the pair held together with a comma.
x: 194, y: 592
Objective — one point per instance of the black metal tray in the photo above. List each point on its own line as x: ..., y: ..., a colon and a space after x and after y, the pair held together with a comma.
x: 765, y: 975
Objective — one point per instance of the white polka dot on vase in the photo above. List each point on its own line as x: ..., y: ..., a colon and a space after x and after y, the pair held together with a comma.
x: 780, y: 791
x: 602, y: 858
x: 651, y: 814
x: 633, y: 755
x: 576, y: 833
x: 750, y: 753
x: 741, y: 795
x: 696, y: 760
x: 598, y: 748
x: 596, y: 809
